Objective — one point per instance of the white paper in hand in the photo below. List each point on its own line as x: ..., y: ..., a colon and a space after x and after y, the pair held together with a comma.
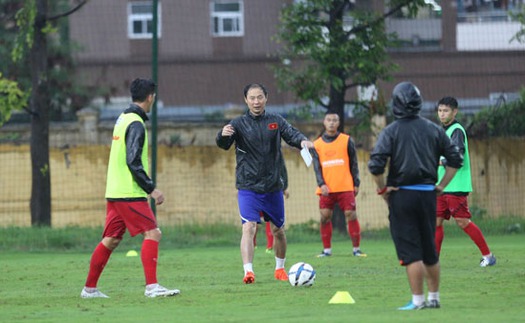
x: 306, y: 156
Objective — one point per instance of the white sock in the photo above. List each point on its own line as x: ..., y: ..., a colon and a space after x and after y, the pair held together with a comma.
x: 418, y: 300
x: 356, y: 249
x: 486, y: 257
x: 328, y: 250
x: 433, y: 296
x: 279, y: 263
x: 248, y: 267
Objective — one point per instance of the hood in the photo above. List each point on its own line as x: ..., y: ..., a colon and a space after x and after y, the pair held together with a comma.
x: 406, y: 100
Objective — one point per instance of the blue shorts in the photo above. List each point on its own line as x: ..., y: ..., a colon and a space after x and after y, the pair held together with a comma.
x: 251, y: 204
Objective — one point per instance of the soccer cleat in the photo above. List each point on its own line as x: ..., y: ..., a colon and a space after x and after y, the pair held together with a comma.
x: 94, y: 294
x: 490, y: 261
x: 324, y: 254
x: 160, y: 291
x: 433, y: 303
x: 359, y: 253
x: 280, y: 274
x: 249, y: 278
x: 411, y: 307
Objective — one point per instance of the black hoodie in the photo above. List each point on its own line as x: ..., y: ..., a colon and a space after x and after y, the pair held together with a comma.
x: 411, y: 144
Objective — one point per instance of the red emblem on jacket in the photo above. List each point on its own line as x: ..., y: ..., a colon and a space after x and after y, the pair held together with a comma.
x: 273, y: 126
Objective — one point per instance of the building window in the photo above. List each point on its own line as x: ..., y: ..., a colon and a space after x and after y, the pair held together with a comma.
x: 140, y: 20
x: 227, y: 18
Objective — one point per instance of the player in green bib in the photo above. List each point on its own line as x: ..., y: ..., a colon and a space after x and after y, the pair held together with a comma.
x: 127, y: 188
x: 453, y: 202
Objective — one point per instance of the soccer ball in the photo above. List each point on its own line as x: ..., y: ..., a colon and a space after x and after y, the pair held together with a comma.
x: 301, y: 274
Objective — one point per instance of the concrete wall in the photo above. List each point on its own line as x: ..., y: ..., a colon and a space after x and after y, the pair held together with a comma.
x: 198, y: 180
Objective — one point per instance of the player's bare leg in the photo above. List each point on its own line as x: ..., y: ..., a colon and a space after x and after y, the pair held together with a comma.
x: 416, y: 274
x: 279, y: 242
x: 279, y: 246
x: 247, y: 250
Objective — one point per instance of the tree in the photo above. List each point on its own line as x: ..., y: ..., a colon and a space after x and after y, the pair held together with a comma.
x: 35, y: 23
x: 332, y: 46
x: 11, y: 98
x: 519, y: 17
x: 67, y: 95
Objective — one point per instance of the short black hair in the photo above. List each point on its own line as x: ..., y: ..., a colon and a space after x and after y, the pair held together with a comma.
x: 255, y: 86
x: 448, y: 101
x: 140, y: 89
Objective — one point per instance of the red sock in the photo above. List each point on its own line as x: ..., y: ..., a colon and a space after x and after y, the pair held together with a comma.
x: 440, y: 234
x: 99, y: 259
x: 354, y: 230
x: 475, y: 234
x: 326, y: 234
x: 149, y: 255
x: 269, y: 236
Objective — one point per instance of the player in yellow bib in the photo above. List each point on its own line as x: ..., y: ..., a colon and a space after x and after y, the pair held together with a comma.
x: 337, y: 175
x: 453, y: 202
x: 127, y: 188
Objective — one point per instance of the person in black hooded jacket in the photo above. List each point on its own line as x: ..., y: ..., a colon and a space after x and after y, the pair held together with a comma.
x: 412, y: 146
x: 257, y: 136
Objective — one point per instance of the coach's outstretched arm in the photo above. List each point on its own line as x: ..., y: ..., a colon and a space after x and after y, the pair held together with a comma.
x: 225, y: 137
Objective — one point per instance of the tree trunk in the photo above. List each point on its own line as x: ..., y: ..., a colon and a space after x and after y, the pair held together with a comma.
x: 41, y: 180
x: 377, y: 123
x: 337, y: 93
x: 337, y: 104
x: 337, y: 36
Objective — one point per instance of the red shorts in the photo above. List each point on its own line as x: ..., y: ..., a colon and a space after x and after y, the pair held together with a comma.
x: 346, y: 201
x: 452, y: 205
x: 136, y: 216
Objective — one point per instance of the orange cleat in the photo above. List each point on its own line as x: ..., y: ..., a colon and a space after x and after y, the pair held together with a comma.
x: 249, y: 278
x: 280, y: 274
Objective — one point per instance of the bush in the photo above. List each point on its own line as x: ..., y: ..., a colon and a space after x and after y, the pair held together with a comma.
x: 506, y: 120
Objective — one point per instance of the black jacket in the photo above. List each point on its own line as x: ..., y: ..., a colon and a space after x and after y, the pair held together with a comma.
x: 457, y: 139
x: 258, y: 150
x: 413, y: 145
x: 135, y: 136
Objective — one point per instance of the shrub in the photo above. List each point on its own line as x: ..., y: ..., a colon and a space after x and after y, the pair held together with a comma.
x: 506, y: 120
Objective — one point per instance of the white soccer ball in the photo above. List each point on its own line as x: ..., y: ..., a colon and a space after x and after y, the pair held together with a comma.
x: 301, y: 274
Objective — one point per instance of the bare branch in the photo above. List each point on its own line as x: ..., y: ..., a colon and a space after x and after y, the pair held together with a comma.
x: 31, y: 112
x: 67, y: 13
x: 392, y: 11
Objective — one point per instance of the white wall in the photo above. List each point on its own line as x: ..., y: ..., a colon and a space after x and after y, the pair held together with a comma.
x: 479, y: 36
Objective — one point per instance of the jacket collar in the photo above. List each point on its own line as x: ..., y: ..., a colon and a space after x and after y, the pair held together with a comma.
x: 133, y: 108
x: 249, y: 114
x: 328, y: 137
x: 450, y: 125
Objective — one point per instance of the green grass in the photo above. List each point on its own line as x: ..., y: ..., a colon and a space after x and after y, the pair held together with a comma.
x: 44, y: 286
x: 80, y: 239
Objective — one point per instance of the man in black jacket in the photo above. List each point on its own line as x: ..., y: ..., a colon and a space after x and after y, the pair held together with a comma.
x: 257, y: 135
x: 412, y: 146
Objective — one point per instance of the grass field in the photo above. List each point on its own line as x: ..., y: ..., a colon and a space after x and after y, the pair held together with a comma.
x: 44, y: 286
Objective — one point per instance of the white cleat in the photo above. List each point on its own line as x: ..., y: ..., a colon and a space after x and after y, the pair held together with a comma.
x: 160, y: 291
x: 94, y: 294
